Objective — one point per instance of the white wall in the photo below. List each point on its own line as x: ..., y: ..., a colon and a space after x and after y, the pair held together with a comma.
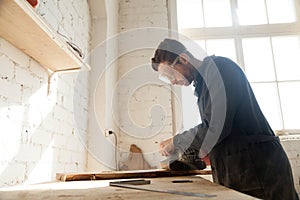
x: 38, y: 137
x: 102, y: 150
x: 145, y: 105
x: 114, y: 74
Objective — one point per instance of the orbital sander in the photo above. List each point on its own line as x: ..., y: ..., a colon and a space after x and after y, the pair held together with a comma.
x: 187, y: 160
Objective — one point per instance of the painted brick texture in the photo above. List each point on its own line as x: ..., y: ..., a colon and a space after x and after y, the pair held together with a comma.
x: 38, y: 136
x: 144, y: 108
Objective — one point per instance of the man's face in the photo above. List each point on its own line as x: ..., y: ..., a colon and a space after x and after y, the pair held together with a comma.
x: 175, y: 74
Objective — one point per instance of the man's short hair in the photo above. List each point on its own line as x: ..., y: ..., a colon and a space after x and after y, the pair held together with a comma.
x: 167, y: 51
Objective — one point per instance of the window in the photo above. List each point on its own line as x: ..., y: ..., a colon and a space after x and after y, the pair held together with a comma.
x: 265, y: 44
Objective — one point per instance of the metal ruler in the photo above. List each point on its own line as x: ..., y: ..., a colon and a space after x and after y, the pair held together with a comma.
x: 133, y: 185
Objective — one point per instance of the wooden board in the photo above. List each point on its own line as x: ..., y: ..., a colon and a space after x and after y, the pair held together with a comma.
x: 25, y: 29
x: 99, y: 189
x: 127, y: 174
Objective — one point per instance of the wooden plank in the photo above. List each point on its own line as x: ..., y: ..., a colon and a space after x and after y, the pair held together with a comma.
x: 127, y: 174
x: 26, y: 30
x: 99, y: 189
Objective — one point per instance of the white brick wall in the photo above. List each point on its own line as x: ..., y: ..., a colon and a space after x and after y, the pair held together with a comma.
x: 38, y: 136
x: 138, y: 103
x: 139, y: 14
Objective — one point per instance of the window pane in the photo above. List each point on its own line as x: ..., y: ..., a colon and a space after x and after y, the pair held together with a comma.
x: 217, y: 13
x: 266, y: 95
x: 290, y: 98
x: 201, y: 43
x: 189, y: 13
x: 251, y: 12
x: 258, y: 59
x: 222, y: 47
x: 190, y: 111
x: 281, y: 11
x: 286, y: 54
x: 196, y: 48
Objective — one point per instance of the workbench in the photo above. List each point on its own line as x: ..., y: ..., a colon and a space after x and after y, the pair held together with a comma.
x: 100, y: 189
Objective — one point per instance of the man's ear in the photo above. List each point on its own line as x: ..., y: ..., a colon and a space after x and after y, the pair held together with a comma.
x: 184, y: 58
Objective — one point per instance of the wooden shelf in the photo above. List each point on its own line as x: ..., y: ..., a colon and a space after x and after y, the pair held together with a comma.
x: 22, y: 26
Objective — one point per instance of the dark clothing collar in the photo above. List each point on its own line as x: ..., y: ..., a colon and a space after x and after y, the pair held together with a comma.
x: 198, y: 79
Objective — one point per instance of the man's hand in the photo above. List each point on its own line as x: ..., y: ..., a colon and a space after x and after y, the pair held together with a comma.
x: 167, y: 147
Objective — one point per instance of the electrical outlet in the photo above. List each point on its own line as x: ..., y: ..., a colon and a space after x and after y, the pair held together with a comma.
x: 107, y: 132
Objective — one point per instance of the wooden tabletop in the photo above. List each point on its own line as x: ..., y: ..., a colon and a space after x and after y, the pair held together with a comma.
x: 100, y: 189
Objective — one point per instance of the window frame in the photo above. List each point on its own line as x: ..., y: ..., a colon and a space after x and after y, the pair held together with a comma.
x: 238, y: 32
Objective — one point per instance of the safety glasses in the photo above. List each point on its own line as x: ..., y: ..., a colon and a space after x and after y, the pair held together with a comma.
x: 169, y: 77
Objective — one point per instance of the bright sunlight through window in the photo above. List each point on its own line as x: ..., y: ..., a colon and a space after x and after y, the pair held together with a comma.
x: 263, y: 37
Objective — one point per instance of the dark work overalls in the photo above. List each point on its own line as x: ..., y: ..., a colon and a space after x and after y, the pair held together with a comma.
x: 245, y: 154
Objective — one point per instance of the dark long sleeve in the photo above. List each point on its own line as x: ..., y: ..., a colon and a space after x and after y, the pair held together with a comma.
x: 241, y: 144
x: 219, y: 95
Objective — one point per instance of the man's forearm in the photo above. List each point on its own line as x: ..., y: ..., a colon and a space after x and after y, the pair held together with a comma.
x: 192, y: 138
